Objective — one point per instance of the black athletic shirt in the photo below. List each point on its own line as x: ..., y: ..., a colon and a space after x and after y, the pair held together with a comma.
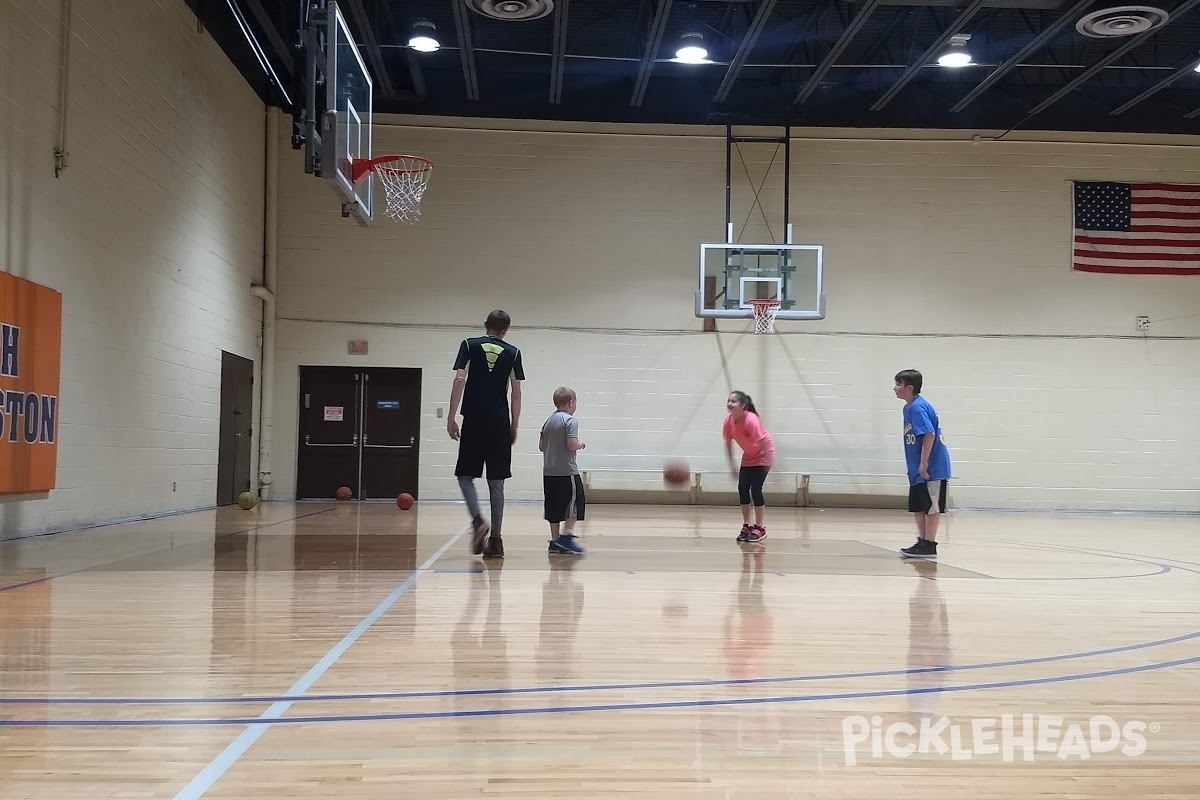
x: 490, y: 362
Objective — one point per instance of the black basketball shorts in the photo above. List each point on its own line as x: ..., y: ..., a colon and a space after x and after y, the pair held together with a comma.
x: 483, y: 443
x: 927, y: 498
x: 564, y: 497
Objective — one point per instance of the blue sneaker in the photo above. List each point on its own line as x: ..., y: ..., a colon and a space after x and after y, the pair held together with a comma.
x: 567, y: 545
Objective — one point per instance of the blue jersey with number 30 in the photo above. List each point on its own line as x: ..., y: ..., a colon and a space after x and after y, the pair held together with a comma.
x: 920, y: 418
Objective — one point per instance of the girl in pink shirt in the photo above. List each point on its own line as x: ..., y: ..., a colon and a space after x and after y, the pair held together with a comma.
x: 743, y: 426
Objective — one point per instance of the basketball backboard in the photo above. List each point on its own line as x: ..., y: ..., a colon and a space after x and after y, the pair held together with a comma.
x: 346, y: 125
x: 731, y: 274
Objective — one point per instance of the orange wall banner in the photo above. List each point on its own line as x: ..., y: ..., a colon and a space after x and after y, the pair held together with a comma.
x: 30, y: 361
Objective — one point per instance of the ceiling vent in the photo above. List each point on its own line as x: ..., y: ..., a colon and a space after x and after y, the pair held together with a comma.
x: 1109, y: 23
x: 512, y: 10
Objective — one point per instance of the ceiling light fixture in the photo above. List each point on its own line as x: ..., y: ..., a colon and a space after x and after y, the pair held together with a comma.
x: 956, y: 55
x: 692, y: 50
x: 424, y: 37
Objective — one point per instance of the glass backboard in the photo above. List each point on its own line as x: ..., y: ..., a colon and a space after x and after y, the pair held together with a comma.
x: 731, y: 274
x: 347, y: 128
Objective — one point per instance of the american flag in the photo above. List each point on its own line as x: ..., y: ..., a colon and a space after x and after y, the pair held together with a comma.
x: 1137, y: 228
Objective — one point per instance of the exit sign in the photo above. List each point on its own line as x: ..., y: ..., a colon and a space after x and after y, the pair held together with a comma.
x: 358, y: 347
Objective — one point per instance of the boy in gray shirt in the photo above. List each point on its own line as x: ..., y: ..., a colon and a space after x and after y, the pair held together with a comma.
x: 560, y: 474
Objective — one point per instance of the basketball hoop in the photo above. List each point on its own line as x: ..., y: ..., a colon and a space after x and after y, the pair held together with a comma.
x: 764, y: 314
x: 404, y: 179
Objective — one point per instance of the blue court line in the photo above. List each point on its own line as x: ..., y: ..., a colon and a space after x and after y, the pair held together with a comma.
x: 1063, y: 548
x: 208, y: 776
x: 1162, y: 568
x: 1086, y: 551
x: 151, y: 552
x: 647, y: 706
x: 834, y: 676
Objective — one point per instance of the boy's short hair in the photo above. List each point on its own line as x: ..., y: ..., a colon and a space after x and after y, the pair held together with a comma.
x: 563, y: 396
x: 498, y: 321
x: 910, y: 377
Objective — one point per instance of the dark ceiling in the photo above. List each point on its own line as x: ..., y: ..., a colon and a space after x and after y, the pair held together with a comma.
x: 870, y: 63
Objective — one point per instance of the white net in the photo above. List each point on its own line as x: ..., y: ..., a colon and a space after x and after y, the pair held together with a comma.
x: 764, y: 315
x: 404, y: 180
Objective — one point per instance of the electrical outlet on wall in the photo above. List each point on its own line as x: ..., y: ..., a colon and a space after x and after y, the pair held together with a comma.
x: 172, y: 486
x: 1143, y: 323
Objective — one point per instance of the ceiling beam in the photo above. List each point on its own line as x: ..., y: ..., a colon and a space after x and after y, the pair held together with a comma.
x: 558, y: 58
x: 416, y: 74
x: 1041, y: 39
x: 923, y: 60
x: 657, y: 27
x: 367, y: 32
x: 851, y: 30
x: 881, y: 41
x: 1190, y: 66
x: 804, y: 32
x: 1110, y: 58
x: 466, y: 50
x: 744, y: 47
x: 281, y: 49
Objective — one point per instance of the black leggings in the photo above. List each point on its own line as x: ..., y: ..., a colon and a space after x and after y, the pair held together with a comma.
x: 750, y: 483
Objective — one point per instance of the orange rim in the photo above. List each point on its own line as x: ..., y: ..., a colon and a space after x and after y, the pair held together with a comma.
x: 361, y: 166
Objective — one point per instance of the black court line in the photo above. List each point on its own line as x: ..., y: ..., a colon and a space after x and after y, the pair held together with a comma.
x: 36, y: 581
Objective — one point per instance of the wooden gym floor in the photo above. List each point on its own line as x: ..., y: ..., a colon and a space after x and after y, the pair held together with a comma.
x: 357, y: 651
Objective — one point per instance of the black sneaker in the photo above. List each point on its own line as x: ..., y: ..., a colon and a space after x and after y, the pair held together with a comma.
x: 494, y: 548
x: 479, y: 533
x: 744, y: 535
x: 922, y: 549
x: 754, y: 534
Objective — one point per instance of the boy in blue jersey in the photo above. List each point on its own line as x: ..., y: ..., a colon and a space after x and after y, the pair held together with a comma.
x: 928, y: 462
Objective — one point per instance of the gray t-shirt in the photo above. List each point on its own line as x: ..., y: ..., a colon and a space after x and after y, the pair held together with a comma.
x: 556, y: 458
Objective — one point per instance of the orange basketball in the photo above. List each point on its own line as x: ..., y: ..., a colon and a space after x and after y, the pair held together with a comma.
x: 676, y: 473
x: 404, y: 501
x: 344, y: 493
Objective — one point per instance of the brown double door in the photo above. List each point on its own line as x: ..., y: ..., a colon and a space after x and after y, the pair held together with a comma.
x: 359, y: 428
